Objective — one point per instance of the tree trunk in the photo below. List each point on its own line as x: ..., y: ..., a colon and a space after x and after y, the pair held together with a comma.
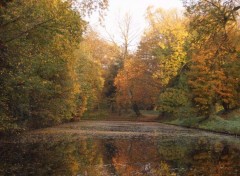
x: 225, y: 106
x: 136, y: 109
x: 212, y: 109
x: 119, y: 110
x: 112, y: 107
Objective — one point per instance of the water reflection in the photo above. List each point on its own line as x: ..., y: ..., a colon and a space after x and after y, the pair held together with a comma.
x: 153, y: 157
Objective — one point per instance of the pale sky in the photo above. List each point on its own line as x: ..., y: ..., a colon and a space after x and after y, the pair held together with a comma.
x: 136, y: 8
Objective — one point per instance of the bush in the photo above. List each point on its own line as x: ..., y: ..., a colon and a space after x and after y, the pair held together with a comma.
x: 8, y: 126
x: 175, y: 102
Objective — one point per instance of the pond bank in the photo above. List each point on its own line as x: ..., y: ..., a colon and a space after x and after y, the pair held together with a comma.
x: 224, y: 124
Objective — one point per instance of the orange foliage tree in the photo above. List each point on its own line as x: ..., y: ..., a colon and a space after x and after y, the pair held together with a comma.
x: 135, y: 85
x: 213, y: 74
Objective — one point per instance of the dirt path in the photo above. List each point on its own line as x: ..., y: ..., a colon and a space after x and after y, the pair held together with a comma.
x: 116, y: 129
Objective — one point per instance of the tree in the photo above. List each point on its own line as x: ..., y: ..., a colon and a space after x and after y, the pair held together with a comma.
x: 214, y: 52
x: 106, y: 56
x: 38, y: 80
x: 127, y: 35
x: 164, y: 49
x: 175, y: 102
x: 135, y: 85
x: 89, y: 72
x: 168, y: 32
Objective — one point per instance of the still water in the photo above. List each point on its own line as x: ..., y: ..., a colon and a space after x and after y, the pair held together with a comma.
x: 153, y: 156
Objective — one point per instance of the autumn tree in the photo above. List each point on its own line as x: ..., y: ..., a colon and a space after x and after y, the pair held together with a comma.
x: 127, y: 34
x: 168, y: 32
x: 163, y: 47
x: 107, y: 56
x: 38, y: 81
x: 214, y: 53
x: 92, y: 62
x: 36, y: 78
x: 135, y: 85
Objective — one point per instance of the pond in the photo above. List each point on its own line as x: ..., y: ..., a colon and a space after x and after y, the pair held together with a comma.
x: 193, y: 155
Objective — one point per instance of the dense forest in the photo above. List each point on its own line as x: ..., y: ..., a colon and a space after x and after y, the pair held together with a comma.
x: 54, y: 67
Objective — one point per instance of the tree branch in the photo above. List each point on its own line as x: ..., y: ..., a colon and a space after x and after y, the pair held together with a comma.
x: 236, y: 8
x: 27, y: 31
x: 10, y: 22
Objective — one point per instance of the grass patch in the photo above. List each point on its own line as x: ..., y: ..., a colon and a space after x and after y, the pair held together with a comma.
x: 230, y: 125
x: 188, y: 122
x: 219, y: 124
x: 106, y: 115
x: 149, y: 112
x: 96, y: 115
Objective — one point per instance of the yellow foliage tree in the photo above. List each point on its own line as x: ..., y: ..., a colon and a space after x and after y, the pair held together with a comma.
x: 168, y: 30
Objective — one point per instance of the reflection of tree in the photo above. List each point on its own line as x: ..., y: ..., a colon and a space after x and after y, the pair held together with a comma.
x: 110, y: 151
x: 132, y: 157
x: 200, y: 157
x: 135, y: 157
x: 214, y: 158
x: 175, y: 152
x: 122, y: 157
x: 61, y: 158
x: 163, y: 169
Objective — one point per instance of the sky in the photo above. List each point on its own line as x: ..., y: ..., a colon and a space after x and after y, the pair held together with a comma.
x: 136, y: 8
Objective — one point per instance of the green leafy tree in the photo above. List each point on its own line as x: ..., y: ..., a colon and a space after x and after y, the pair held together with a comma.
x: 38, y: 79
